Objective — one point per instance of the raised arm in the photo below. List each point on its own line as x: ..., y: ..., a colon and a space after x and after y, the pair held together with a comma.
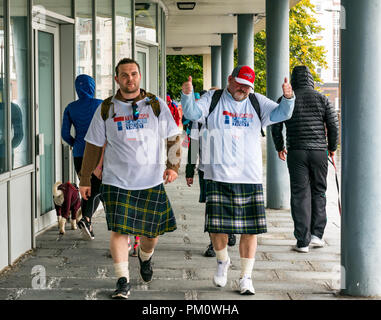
x: 286, y: 106
x: 190, y: 108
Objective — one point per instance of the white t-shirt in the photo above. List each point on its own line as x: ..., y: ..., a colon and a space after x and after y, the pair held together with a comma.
x: 135, y: 153
x: 231, y: 147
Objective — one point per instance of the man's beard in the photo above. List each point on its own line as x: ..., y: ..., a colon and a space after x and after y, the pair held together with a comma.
x: 126, y: 90
x: 240, y: 95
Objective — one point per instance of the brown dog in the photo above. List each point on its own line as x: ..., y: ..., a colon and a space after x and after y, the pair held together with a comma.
x: 67, y: 200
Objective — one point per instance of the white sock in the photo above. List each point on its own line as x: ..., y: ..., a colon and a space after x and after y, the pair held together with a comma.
x: 144, y: 256
x: 121, y: 270
x: 222, y: 255
x: 247, y: 265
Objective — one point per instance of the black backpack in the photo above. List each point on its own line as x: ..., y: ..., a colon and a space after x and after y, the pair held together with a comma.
x: 254, y: 102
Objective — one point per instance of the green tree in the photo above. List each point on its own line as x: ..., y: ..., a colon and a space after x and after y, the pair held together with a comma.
x: 179, y: 67
x: 304, y: 30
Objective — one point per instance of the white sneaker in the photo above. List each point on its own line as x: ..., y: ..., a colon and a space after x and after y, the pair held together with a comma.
x: 221, y: 276
x: 317, y: 242
x: 246, y: 285
x: 300, y: 249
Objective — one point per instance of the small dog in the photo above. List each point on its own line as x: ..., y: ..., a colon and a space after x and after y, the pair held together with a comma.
x: 67, y: 200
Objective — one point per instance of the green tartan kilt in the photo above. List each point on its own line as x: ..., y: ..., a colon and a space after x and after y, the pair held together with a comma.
x: 234, y: 208
x: 138, y: 212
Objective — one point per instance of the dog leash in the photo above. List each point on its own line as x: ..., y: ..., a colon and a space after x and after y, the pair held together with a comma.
x: 331, y: 160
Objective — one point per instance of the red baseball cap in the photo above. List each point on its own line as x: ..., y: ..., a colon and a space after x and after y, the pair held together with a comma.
x: 244, y: 75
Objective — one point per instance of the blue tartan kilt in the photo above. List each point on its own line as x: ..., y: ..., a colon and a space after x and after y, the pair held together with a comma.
x: 234, y: 208
x: 138, y: 212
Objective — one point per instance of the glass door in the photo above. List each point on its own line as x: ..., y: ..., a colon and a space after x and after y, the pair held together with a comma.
x: 47, y: 122
x: 142, y: 57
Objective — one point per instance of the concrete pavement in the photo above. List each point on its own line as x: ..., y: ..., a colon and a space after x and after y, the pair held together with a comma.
x: 70, y: 268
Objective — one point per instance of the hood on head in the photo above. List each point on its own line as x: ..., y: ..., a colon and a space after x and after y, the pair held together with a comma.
x: 85, y: 86
x: 302, y: 77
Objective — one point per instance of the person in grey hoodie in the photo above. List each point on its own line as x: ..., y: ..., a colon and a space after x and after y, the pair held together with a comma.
x: 79, y: 114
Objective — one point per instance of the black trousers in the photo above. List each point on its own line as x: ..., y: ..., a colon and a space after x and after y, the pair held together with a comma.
x: 308, y: 178
x: 89, y: 206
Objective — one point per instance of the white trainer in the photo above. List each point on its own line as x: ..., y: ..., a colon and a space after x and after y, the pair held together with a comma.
x: 300, y: 249
x: 317, y: 242
x: 246, y: 285
x: 221, y: 276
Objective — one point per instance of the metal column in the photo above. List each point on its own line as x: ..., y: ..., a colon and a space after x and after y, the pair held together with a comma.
x: 245, y: 27
x: 277, y: 29
x: 216, y: 66
x: 361, y: 148
x: 227, y: 57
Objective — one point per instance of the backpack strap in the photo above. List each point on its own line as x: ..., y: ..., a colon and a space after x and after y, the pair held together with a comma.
x: 215, y: 98
x: 154, y: 102
x: 105, y: 108
x: 255, y: 104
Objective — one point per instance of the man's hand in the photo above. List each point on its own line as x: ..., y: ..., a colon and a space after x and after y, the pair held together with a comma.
x: 85, y: 192
x: 169, y: 176
x: 189, y: 182
x: 331, y: 153
x: 287, y: 89
x: 187, y: 86
x: 282, y: 154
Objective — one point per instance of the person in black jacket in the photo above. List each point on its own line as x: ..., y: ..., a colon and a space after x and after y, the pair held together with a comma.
x: 313, y: 121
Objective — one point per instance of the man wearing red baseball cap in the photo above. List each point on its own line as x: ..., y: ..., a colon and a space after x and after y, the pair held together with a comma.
x: 231, y: 120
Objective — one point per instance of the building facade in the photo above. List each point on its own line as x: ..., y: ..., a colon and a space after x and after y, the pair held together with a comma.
x: 328, y: 15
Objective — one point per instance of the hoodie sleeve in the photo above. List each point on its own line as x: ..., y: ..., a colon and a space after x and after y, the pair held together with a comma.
x: 276, y: 133
x: 66, y: 125
x: 332, y: 124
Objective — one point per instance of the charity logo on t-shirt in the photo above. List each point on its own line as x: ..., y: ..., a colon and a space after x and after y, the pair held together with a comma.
x: 128, y: 123
x: 237, y: 119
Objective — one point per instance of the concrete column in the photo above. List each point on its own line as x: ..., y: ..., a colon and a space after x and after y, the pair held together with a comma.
x: 216, y: 66
x: 245, y: 27
x: 227, y: 57
x: 277, y: 30
x: 206, y: 69
x: 361, y: 148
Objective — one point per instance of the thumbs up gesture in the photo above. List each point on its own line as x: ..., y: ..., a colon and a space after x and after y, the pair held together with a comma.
x: 187, y: 86
x: 287, y: 89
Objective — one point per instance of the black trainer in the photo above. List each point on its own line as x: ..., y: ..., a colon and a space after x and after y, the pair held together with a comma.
x: 86, y: 230
x: 231, y: 240
x: 122, y: 289
x: 145, y: 269
x: 210, y: 251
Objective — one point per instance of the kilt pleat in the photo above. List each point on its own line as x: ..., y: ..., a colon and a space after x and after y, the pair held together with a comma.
x: 235, y: 208
x: 138, y: 212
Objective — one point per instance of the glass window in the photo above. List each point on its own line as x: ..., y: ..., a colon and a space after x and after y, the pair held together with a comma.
x: 61, y: 7
x: 123, y: 30
x: 104, y: 77
x: 84, y: 37
x: 19, y: 84
x: 3, y: 111
x: 145, y: 20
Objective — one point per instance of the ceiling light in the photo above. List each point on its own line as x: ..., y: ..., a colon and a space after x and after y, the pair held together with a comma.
x: 142, y: 6
x: 186, y: 5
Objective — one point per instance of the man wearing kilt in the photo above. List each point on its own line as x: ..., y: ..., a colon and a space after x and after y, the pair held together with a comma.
x: 134, y: 123
x: 232, y: 161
